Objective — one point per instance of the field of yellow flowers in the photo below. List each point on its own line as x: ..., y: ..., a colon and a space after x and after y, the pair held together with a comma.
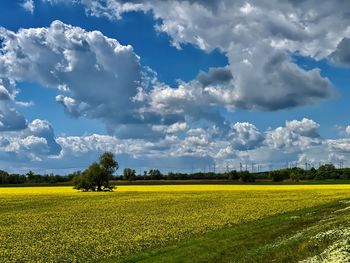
x: 59, y: 224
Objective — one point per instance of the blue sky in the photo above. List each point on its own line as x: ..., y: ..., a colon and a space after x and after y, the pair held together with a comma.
x: 181, y: 82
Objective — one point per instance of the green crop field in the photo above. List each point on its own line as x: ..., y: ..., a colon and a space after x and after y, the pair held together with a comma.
x: 178, y: 223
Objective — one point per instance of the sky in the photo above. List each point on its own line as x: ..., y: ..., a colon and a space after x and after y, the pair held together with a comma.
x: 175, y: 85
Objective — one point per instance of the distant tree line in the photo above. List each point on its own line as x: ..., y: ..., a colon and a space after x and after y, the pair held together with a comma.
x: 324, y: 172
x: 33, y: 178
x: 154, y: 174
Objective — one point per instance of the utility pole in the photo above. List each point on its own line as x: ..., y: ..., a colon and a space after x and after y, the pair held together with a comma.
x: 240, y: 167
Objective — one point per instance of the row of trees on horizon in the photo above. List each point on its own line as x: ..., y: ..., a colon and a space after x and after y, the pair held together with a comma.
x: 324, y: 172
x: 327, y: 171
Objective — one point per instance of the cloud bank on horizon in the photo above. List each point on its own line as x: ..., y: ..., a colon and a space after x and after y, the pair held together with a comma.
x: 148, y: 121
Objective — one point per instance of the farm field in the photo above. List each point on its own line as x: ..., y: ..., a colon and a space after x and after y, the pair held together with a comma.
x: 154, y: 223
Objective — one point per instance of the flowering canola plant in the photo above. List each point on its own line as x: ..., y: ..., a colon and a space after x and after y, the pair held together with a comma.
x: 59, y: 224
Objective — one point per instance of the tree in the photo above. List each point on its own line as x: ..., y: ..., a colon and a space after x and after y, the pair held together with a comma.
x: 129, y: 174
x: 4, y: 176
x: 98, y: 175
x: 296, y: 174
x: 246, y: 176
x: 345, y: 174
x: 311, y: 174
x: 279, y: 175
x: 82, y: 182
x: 232, y: 175
x: 95, y: 175
x: 326, y: 171
x: 108, y: 164
x: 155, y: 174
x: 31, y: 176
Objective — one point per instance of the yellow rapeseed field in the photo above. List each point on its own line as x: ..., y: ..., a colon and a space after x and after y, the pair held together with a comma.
x: 59, y: 224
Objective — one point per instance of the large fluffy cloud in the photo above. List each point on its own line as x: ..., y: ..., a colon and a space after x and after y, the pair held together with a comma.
x: 258, y: 37
x: 245, y: 136
x: 96, y: 75
x: 296, y: 135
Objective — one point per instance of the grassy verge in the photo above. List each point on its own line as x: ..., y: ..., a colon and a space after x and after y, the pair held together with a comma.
x: 289, y: 237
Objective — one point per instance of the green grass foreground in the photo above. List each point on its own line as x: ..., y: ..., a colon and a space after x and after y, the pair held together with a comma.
x: 171, y: 223
x: 299, y: 236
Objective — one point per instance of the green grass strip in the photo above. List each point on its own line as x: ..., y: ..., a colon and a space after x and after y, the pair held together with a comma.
x: 283, y: 238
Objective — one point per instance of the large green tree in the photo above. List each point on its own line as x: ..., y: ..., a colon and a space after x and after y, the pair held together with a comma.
x: 98, y: 175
